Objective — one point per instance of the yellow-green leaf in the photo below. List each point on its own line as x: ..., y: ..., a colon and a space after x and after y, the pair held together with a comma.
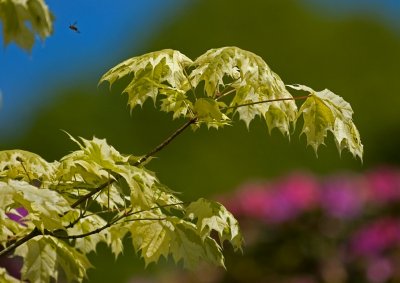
x: 161, y: 72
x: 40, y: 258
x: 22, y: 19
x: 44, y: 206
x: 325, y: 111
x: 231, y: 68
x: 210, y: 216
x: 6, y: 278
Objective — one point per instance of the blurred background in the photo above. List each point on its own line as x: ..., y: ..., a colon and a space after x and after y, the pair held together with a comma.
x: 351, y: 47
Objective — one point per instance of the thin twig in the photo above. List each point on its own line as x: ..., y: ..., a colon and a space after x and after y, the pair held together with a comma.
x: 95, y: 191
x: 266, y: 101
x: 129, y: 212
x: 225, y: 94
x: 190, y: 83
x: 143, y: 219
x: 98, y: 230
x: 23, y: 166
x: 155, y: 207
x: 165, y: 142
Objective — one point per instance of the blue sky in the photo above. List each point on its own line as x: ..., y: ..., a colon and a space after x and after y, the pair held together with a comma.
x: 105, y: 26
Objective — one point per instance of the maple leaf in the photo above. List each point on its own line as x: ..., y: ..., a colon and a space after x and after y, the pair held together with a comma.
x: 39, y: 260
x: 175, y: 237
x: 208, y: 111
x: 161, y: 72
x: 44, y: 206
x: 43, y: 255
x: 85, y: 225
x: 25, y: 165
x: 325, y: 111
x: 252, y: 80
x: 211, y: 215
x: 23, y: 19
x: 6, y: 278
x: 10, y: 229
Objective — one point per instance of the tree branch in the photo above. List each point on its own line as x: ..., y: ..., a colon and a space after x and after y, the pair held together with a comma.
x: 98, y: 230
x: 36, y: 232
x: 95, y: 191
x: 109, y: 224
x: 165, y: 142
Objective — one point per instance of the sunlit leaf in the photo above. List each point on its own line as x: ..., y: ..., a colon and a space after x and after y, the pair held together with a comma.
x: 158, y: 237
x: 116, y: 235
x: 22, y: 20
x: 161, y: 72
x: 74, y: 263
x: 214, y: 216
x: 89, y: 243
x: 45, y: 206
x: 252, y: 80
x: 25, y: 165
x: 325, y: 111
x: 6, y: 278
x: 40, y: 258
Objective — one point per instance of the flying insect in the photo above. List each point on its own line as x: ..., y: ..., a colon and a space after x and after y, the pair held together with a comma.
x: 74, y: 27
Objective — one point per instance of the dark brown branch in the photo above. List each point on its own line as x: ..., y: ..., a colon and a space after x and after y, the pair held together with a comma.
x: 165, y: 142
x: 98, y: 230
x: 126, y: 214
x: 35, y: 232
x: 95, y: 191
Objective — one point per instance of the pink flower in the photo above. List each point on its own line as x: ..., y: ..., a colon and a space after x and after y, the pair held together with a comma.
x: 384, y: 184
x: 278, y: 202
x: 374, y: 239
x: 250, y: 200
x: 18, y: 215
x: 291, y: 197
x: 342, y: 198
x: 379, y: 270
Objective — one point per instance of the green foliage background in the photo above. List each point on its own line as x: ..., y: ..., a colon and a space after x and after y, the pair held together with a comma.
x: 357, y: 58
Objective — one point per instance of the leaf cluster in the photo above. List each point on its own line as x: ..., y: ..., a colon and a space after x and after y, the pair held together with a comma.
x: 125, y: 199
x: 234, y: 81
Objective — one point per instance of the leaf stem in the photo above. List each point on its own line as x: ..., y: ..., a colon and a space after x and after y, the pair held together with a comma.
x: 225, y: 94
x: 23, y: 166
x: 266, y: 101
x: 155, y: 207
x: 190, y: 83
x: 95, y: 191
